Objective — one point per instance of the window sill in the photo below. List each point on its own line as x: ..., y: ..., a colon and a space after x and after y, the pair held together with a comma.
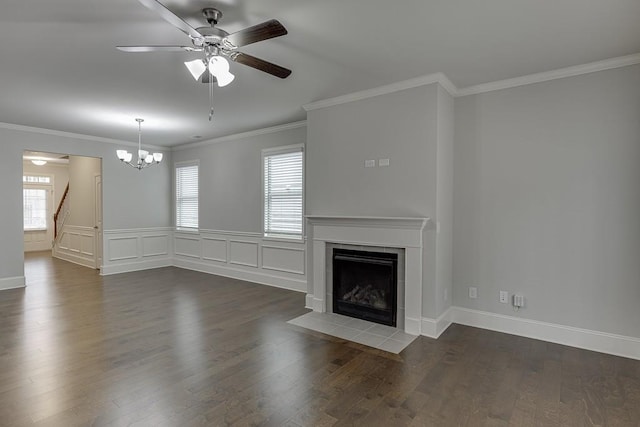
x: 280, y: 238
x: 26, y: 230
x: 187, y: 230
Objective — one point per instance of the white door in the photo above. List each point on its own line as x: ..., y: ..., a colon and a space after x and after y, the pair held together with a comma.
x: 38, y: 217
x: 98, y: 223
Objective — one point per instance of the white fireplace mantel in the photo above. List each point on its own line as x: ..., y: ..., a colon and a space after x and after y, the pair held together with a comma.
x: 396, y: 232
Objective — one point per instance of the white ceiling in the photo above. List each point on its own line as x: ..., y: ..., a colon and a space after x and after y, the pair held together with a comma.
x: 60, y: 69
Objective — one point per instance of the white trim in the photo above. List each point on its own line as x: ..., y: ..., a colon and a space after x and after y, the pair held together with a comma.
x: 592, y: 67
x: 308, y: 301
x: 43, y: 131
x: 241, y: 135
x: 107, y: 270
x: 383, y: 90
x: 433, y: 328
x: 76, y: 259
x: 249, y: 276
x: 224, y: 232
x: 618, y: 345
x: 138, y: 230
x: 12, y: 283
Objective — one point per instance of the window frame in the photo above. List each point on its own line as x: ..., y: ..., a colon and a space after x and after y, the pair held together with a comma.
x: 49, y: 188
x: 176, y: 166
x: 271, y: 152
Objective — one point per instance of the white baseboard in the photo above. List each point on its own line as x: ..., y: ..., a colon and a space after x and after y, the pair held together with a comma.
x: 135, y: 266
x: 12, y: 283
x: 66, y: 256
x: 249, y: 276
x: 433, y: 328
x: 308, y: 301
x: 618, y: 345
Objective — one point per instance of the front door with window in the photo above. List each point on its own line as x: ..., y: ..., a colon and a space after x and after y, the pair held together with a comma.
x: 38, y: 220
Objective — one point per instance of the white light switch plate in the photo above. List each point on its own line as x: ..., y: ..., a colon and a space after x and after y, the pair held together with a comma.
x: 383, y: 162
x: 369, y: 163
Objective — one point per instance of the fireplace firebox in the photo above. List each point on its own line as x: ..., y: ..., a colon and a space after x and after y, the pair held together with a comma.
x: 365, y: 285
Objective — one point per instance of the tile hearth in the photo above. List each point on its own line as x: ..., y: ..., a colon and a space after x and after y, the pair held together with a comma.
x: 360, y: 331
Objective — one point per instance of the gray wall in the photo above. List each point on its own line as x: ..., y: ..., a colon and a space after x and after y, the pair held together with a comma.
x: 406, y: 128
x: 131, y: 199
x: 547, y: 200
x: 231, y: 181
x: 444, y: 203
x: 400, y: 126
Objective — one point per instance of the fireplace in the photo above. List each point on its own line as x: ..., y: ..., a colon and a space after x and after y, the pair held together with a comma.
x: 365, y: 285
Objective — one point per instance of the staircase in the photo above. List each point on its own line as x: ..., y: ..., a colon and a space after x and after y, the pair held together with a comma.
x: 60, y: 216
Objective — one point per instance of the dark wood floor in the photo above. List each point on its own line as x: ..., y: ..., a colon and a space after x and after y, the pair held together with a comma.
x: 172, y: 347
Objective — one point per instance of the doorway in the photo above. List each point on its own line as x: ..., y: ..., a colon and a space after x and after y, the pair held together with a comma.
x: 70, y: 188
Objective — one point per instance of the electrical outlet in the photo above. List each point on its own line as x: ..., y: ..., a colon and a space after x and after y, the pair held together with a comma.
x: 473, y: 292
x: 518, y: 301
x: 504, y: 297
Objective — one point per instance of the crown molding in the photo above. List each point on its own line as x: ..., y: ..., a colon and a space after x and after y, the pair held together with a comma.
x: 242, y: 135
x: 383, y: 90
x: 592, y: 67
x: 43, y: 131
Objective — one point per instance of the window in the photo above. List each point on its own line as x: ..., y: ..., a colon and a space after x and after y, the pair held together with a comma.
x: 36, y: 179
x: 35, y: 208
x: 187, y: 195
x: 283, y: 174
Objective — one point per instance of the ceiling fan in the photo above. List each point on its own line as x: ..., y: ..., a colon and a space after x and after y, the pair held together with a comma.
x: 217, y: 45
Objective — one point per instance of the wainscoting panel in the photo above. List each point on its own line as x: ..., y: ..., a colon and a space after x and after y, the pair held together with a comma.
x: 136, y: 249
x: 243, y: 253
x: 77, y: 245
x: 188, y: 245
x: 156, y: 245
x: 245, y: 256
x: 279, y: 258
x: 121, y: 248
x: 214, y: 249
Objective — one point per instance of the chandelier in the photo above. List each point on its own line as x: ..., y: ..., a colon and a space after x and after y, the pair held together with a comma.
x: 145, y: 158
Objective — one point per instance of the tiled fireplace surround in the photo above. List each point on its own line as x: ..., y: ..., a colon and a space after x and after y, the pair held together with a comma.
x: 376, y: 234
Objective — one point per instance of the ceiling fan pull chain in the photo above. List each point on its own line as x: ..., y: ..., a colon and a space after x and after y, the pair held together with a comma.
x: 211, y: 79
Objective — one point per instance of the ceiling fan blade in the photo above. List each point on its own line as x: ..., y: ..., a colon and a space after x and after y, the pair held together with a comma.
x: 261, y: 65
x: 171, y: 18
x: 157, y: 48
x: 266, y: 30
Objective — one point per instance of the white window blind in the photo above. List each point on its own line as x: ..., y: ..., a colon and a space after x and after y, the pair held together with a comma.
x: 187, y: 195
x: 283, y: 192
x: 35, y: 209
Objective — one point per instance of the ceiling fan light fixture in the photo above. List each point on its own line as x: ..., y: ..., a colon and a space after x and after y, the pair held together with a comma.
x: 196, y: 68
x: 219, y: 68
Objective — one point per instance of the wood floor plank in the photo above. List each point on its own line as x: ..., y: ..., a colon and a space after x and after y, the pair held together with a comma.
x: 173, y: 347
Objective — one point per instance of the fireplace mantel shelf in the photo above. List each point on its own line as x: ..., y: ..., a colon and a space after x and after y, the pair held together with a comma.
x: 384, y: 221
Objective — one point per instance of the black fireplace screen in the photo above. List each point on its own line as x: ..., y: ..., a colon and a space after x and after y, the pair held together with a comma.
x: 365, y: 285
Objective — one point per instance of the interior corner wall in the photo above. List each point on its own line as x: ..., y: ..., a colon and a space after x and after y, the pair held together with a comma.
x: 231, y: 181
x: 399, y: 126
x: 546, y: 200
x: 131, y: 199
x: 444, y: 203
